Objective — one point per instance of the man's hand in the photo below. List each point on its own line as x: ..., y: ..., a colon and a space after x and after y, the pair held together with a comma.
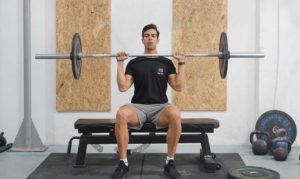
x: 179, y: 57
x: 122, y: 56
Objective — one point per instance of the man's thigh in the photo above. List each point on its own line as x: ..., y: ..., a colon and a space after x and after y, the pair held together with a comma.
x: 139, y: 117
x: 168, y: 113
x: 131, y: 115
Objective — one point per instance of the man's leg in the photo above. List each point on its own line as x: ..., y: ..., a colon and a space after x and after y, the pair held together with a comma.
x: 170, y: 117
x: 126, y: 116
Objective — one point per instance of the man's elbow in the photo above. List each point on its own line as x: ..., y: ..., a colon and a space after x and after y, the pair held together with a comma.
x: 179, y: 88
x: 122, y: 89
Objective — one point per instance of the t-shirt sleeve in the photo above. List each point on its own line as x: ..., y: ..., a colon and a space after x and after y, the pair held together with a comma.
x: 128, y: 70
x: 172, y: 69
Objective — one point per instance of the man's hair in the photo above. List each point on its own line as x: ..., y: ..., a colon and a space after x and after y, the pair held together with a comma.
x: 150, y: 26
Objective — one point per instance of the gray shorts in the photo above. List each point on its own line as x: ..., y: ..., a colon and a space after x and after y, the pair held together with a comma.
x: 147, y: 113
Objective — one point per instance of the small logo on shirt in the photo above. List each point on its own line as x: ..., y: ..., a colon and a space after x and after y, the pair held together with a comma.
x: 160, y: 71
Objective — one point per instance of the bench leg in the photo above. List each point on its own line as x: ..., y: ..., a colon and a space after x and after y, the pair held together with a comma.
x: 80, y: 158
x: 207, y: 157
x: 70, y: 144
x: 205, y: 144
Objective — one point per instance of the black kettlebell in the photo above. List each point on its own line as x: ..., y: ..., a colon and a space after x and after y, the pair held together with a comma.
x: 260, y: 146
x: 2, y: 140
x: 3, y: 145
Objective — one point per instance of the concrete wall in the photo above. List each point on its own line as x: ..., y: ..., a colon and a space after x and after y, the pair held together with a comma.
x: 254, y: 86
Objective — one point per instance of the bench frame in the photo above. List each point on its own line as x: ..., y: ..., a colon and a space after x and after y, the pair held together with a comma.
x: 193, y: 131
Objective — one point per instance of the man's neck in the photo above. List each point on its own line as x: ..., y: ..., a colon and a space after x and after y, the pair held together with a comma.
x: 150, y: 51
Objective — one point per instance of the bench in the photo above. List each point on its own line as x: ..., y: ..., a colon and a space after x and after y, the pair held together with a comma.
x: 193, y: 131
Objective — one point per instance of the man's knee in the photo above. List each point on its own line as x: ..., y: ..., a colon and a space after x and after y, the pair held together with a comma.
x: 126, y: 116
x: 174, y: 115
x: 122, y: 116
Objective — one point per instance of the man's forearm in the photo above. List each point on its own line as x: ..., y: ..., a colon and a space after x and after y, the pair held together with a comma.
x: 180, y: 77
x: 121, y: 79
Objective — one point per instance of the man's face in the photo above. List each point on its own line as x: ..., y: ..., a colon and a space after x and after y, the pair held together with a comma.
x: 150, y: 39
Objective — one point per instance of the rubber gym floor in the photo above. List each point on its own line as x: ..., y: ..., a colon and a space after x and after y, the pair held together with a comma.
x: 19, y: 165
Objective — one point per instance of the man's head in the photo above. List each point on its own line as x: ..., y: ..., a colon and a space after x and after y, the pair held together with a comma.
x: 148, y: 27
x: 150, y: 37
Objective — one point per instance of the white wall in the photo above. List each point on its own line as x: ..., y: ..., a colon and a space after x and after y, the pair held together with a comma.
x: 251, y: 83
x: 278, y: 79
x: 11, y: 67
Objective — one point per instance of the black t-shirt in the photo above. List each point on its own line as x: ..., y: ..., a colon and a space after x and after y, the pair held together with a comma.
x: 150, y: 78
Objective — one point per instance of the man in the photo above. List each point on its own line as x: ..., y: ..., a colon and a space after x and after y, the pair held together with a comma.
x: 150, y: 76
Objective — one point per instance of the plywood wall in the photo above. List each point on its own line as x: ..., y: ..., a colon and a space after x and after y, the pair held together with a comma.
x: 90, y: 18
x: 197, y: 25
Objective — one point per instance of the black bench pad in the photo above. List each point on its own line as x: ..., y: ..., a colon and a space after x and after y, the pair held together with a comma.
x: 106, y: 125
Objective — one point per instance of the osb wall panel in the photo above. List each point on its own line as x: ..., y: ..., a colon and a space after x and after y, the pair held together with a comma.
x: 197, y: 26
x: 92, y: 20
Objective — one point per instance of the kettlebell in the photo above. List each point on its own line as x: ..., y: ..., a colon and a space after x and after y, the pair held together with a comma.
x: 281, y: 146
x: 3, y: 145
x: 280, y: 149
x: 2, y: 140
x: 260, y: 146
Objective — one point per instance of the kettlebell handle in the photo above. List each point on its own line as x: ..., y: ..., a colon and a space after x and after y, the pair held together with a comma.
x: 259, y: 133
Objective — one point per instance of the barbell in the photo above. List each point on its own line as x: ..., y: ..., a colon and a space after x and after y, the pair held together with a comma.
x: 76, y: 55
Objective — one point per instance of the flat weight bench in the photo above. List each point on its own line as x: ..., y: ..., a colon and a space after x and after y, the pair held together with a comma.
x: 193, y: 131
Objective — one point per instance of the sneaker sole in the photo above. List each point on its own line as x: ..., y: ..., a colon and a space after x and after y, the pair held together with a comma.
x: 167, y: 174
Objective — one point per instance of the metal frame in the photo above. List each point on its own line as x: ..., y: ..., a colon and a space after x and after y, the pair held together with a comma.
x: 27, y: 139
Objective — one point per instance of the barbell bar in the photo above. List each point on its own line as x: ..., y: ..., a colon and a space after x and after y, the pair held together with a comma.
x: 81, y: 55
x: 76, y: 55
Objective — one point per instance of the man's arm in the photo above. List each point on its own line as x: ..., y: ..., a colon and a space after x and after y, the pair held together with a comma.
x: 177, y: 81
x: 124, y: 81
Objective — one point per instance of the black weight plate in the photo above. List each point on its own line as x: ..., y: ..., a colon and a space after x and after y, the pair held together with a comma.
x: 223, y: 59
x: 273, y: 119
x: 252, y: 172
x: 76, y: 61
